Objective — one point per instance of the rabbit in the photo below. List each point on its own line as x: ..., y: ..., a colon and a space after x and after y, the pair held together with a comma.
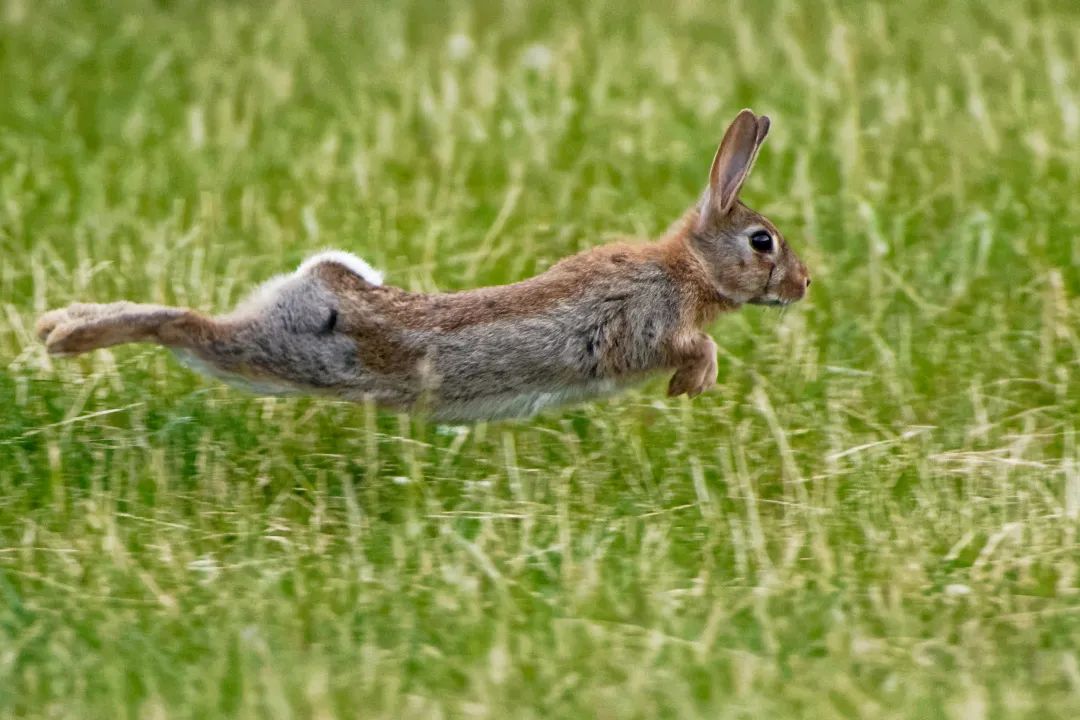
x: 591, y: 325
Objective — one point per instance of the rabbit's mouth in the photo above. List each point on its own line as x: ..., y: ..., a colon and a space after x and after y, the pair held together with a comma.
x: 763, y: 298
x: 780, y: 295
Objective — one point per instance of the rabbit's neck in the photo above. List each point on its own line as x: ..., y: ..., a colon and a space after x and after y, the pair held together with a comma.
x: 705, y: 295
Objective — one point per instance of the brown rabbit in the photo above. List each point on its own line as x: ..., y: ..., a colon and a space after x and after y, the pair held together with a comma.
x: 592, y: 324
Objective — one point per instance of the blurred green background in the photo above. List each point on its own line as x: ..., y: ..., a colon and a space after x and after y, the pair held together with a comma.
x: 873, y: 516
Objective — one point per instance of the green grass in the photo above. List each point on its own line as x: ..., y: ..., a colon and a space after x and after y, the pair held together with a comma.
x: 874, y: 515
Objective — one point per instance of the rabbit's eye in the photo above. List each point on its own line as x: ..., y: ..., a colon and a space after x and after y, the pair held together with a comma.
x: 761, y: 241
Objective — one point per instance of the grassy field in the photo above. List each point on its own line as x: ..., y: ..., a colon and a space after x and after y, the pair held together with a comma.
x: 874, y: 515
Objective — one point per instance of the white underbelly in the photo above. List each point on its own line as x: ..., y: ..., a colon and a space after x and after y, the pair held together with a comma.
x: 523, y: 404
x: 486, y: 407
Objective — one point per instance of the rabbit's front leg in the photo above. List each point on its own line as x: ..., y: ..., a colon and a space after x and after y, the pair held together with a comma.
x: 695, y: 366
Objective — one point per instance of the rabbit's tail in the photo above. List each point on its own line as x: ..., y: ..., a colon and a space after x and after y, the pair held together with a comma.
x: 83, y: 327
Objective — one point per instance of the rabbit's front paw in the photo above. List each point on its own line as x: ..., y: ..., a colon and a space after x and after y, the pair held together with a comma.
x: 698, y: 371
x: 693, y: 379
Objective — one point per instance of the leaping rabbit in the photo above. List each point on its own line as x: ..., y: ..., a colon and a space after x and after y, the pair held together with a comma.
x: 594, y: 323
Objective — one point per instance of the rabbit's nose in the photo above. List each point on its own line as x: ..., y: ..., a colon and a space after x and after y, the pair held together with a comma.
x: 808, y: 281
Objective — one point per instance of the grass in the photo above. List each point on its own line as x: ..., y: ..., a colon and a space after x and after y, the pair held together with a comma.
x: 874, y: 515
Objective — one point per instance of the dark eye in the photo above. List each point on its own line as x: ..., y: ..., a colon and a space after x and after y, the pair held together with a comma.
x: 761, y: 241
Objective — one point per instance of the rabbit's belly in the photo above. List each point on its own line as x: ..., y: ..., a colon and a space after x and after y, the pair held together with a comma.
x: 523, y: 404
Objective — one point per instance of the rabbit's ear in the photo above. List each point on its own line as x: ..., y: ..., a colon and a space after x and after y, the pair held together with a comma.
x: 733, y: 160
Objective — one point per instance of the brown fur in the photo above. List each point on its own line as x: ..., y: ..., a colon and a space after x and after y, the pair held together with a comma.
x: 591, y: 324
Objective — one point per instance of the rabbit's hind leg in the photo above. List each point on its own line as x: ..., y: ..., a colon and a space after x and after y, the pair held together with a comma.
x: 76, y: 311
x: 82, y: 327
x: 222, y: 351
x: 284, y: 338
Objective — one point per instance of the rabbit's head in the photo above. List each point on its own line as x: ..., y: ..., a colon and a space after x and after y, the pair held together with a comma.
x: 746, y: 255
